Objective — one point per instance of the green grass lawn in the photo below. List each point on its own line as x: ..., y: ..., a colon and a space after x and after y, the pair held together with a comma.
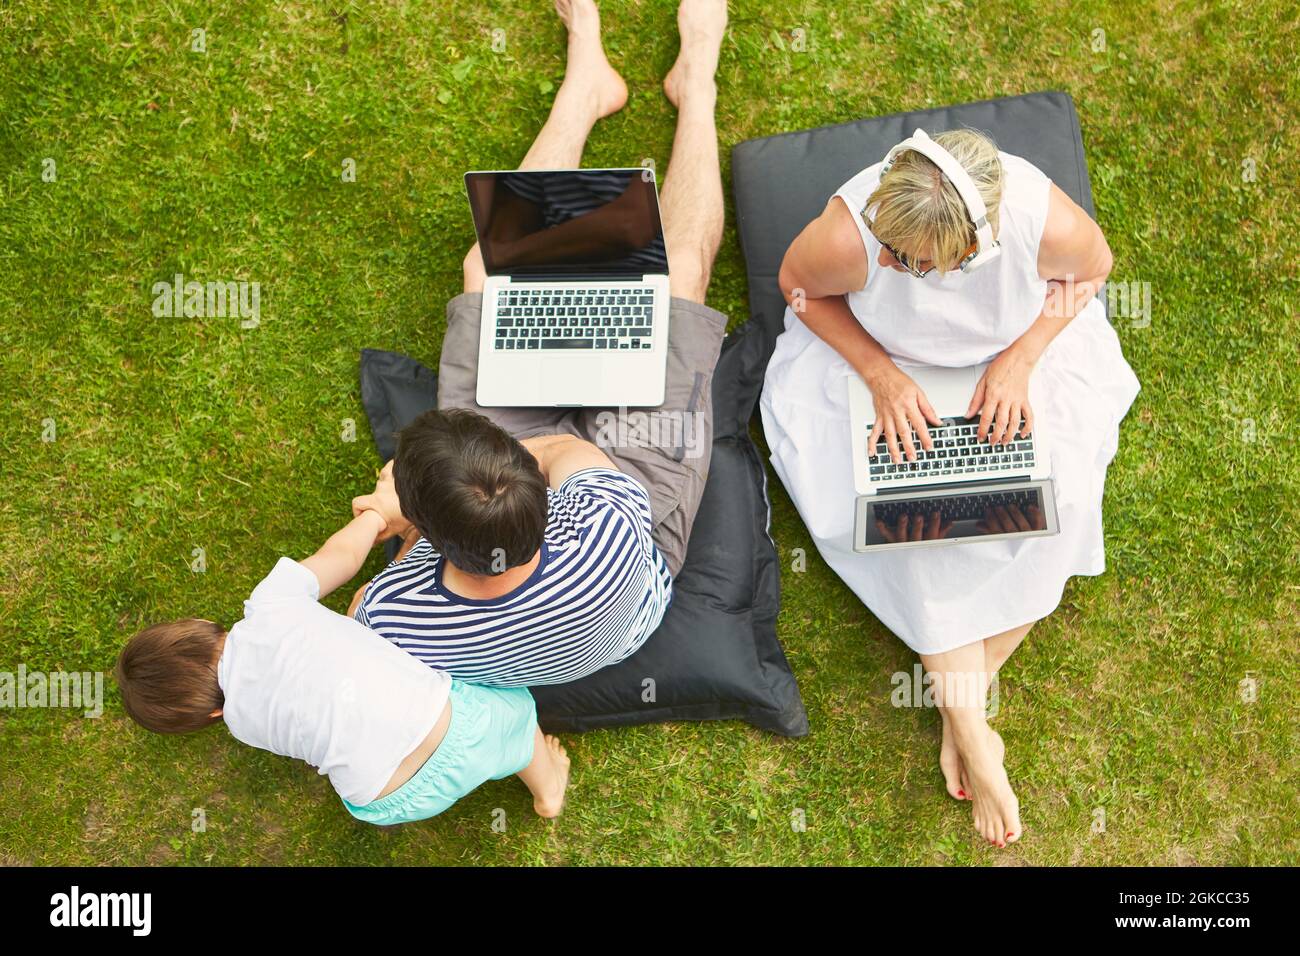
x: 176, y: 434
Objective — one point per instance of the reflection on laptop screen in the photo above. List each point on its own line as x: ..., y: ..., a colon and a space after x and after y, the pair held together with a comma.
x: 972, y: 514
x: 583, y: 223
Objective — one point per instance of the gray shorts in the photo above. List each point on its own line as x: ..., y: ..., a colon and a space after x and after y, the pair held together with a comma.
x: 665, y: 448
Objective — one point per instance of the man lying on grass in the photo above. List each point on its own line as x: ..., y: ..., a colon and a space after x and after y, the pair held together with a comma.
x: 539, y: 557
x: 399, y: 741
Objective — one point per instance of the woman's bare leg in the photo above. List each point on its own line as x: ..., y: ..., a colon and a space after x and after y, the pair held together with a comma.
x: 997, y: 649
x: 592, y: 89
x: 960, y: 679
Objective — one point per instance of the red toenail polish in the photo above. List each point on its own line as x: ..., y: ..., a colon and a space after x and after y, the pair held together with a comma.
x: 961, y: 793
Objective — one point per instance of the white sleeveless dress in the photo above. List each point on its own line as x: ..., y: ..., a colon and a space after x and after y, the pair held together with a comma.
x: 937, y: 599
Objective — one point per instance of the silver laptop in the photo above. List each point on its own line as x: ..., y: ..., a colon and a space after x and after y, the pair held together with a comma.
x: 962, y: 490
x: 575, y: 307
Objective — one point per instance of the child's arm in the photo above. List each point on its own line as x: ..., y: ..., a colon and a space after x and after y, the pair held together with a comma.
x: 341, y: 557
x: 374, y: 516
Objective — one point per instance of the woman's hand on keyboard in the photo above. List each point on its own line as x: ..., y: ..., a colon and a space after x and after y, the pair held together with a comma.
x: 1002, y: 398
x: 901, y: 408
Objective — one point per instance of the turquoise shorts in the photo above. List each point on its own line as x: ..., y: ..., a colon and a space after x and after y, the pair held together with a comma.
x: 490, y: 736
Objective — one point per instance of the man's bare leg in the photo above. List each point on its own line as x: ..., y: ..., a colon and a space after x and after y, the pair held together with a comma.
x: 692, y: 189
x: 592, y: 89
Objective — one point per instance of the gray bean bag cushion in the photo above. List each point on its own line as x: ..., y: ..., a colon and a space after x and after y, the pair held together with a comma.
x: 783, y: 182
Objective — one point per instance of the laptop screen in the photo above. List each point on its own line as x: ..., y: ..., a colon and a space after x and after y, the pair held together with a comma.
x: 953, y: 516
x: 586, y: 223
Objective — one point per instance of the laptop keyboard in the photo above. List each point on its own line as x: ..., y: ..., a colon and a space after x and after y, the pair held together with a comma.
x: 957, y: 507
x: 958, y: 454
x: 592, y: 319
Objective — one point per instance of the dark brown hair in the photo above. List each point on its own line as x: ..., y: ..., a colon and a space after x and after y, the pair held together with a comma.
x: 168, y: 676
x: 471, y: 489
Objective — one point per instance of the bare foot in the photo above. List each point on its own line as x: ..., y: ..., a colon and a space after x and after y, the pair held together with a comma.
x: 995, y: 809
x: 701, y: 24
x: 552, y: 803
x: 587, y: 72
x: 952, y: 766
x: 954, y: 771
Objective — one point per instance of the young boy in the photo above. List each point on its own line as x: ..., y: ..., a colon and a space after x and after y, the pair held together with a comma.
x: 399, y: 740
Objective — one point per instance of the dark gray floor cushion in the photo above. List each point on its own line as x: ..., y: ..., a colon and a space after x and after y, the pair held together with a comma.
x: 716, y: 655
x: 783, y: 182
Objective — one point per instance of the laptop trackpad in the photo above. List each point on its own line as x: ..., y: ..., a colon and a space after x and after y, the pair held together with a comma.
x: 948, y: 389
x: 571, y: 381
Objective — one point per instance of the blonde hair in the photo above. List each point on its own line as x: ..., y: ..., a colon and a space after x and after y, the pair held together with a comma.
x: 918, y: 212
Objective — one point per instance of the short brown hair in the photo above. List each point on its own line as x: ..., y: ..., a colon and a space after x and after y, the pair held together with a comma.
x: 168, y: 676
x: 474, y: 492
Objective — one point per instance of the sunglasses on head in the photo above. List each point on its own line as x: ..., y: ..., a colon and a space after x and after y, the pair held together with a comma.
x: 905, y: 262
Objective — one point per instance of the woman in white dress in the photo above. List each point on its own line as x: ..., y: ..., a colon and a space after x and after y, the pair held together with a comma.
x: 875, y: 281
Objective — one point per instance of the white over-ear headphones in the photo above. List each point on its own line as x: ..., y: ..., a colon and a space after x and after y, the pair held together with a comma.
x: 987, y: 248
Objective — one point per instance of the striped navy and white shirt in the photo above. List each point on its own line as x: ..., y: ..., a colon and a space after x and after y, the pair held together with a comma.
x: 600, y: 589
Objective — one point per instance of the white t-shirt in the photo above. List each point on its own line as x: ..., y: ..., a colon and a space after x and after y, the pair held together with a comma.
x: 302, y: 681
